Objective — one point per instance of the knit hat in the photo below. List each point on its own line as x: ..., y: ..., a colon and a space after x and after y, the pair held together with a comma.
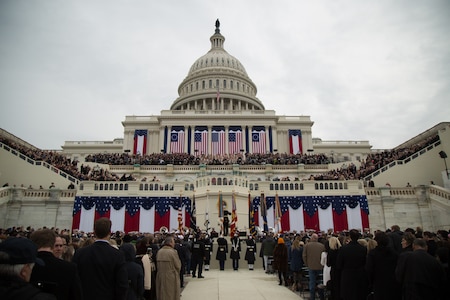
x: 280, y: 241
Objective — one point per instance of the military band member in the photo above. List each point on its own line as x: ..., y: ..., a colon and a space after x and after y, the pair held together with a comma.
x: 208, y: 251
x: 250, y: 253
x: 235, y: 251
x: 222, y: 250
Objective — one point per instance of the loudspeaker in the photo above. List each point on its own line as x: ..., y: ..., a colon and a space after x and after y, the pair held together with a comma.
x: 442, y: 154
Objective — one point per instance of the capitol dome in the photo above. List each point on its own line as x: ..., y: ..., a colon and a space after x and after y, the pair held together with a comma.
x: 217, y: 81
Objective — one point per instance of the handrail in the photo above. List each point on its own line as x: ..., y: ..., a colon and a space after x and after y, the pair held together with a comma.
x: 402, y: 161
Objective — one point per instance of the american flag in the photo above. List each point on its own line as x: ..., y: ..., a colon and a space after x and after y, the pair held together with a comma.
x: 201, y: 142
x: 278, y: 213
x: 218, y: 142
x: 140, y: 142
x: 177, y: 141
x: 259, y: 141
x: 234, y: 141
x: 295, y: 141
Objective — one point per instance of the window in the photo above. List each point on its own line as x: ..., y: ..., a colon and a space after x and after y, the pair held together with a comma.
x: 210, y: 84
x: 224, y: 84
x: 231, y: 84
x: 203, y: 84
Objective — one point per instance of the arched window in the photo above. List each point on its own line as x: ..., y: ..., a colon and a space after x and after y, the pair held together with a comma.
x: 224, y: 84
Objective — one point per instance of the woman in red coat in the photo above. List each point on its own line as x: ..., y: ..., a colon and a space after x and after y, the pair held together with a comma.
x: 280, y: 260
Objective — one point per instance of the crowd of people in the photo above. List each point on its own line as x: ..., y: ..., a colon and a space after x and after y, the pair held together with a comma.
x: 60, y: 264
x: 350, y: 171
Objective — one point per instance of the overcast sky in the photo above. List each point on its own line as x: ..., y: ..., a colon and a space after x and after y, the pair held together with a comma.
x: 363, y: 70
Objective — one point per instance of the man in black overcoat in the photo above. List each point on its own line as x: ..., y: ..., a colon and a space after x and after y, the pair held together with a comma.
x: 57, y: 276
x: 101, y: 267
x: 351, y: 263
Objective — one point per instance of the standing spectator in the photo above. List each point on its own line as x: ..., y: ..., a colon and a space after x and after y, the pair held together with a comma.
x: 198, y: 255
x: 235, y: 252
x: 421, y: 275
x: 351, y: 262
x: 59, y: 247
x: 168, y: 271
x: 395, y: 238
x: 268, y: 245
x: 145, y: 257
x: 135, y: 272
x: 323, y: 262
x: 101, y: 267
x: 296, y: 262
x: 431, y: 243
x: 57, y: 276
x: 182, y: 254
x: 280, y: 261
x: 380, y: 267
x: 18, y: 256
x: 335, y: 275
x: 311, y: 257
x: 222, y: 250
x: 250, y: 252
x: 407, y: 242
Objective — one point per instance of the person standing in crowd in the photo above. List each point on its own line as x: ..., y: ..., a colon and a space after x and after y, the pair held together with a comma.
x: 208, y: 251
x: 296, y: 262
x: 407, y: 242
x: 351, y: 262
x: 57, y: 276
x: 335, y: 276
x: 312, y: 252
x: 135, y: 272
x: 222, y: 251
x: 182, y: 254
x: 145, y: 256
x: 101, y: 267
x: 395, y: 238
x: 323, y: 261
x: 280, y: 261
x: 235, y: 252
x: 59, y: 247
x: 380, y: 267
x: 18, y: 256
x: 198, y: 255
x: 268, y: 245
x: 421, y: 275
x: 168, y: 271
x: 250, y: 252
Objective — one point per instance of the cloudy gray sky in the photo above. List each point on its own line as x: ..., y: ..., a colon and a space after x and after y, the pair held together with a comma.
x: 363, y: 70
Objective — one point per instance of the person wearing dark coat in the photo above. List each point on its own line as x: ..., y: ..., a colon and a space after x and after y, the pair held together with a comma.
x: 296, y: 265
x: 208, y: 251
x: 421, y: 275
x: 135, y: 272
x: 222, y: 251
x: 250, y: 252
x: 335, y: 275
x: 198, y: 255
x: 101, y: 267
x: 395, y: 238
x: 57, y: 276
x: 18, y: 256
x: 380, y: 267
x: 351, y: 262
x: 235, y: 251
x: 183, y: 254
x: 280, y: 261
